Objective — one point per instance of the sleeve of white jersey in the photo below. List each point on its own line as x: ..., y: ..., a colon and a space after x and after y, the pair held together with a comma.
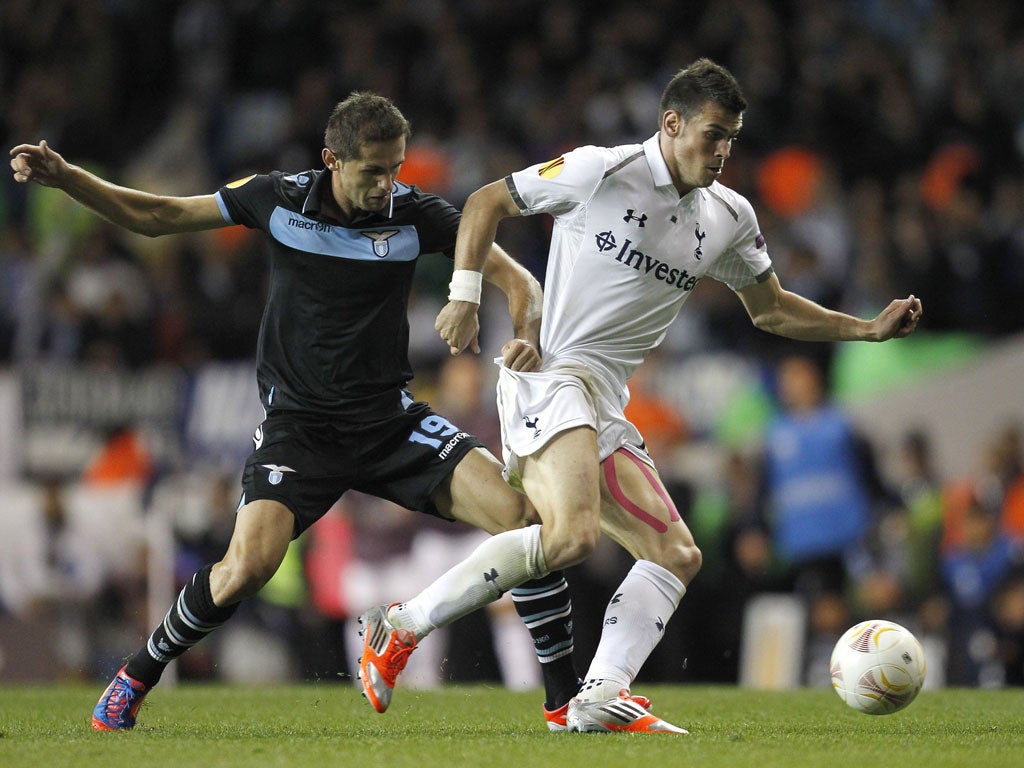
x: 560, y: 185
x: 746, y: 260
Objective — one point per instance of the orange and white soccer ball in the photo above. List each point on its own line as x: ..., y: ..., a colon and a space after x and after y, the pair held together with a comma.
x: 878, y: 667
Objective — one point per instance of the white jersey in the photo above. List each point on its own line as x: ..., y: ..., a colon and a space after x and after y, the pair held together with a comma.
x: 627, y: 251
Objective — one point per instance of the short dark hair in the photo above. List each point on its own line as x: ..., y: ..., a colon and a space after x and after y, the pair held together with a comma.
x: 362, y: 118
x: 700, y: 82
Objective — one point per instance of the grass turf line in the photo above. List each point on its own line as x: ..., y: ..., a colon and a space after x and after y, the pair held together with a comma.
x: 220, y: 726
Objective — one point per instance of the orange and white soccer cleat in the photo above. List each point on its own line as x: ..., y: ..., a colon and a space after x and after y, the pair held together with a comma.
x: 621, y: 714
x: 555, y: 718
x: 385, y: 653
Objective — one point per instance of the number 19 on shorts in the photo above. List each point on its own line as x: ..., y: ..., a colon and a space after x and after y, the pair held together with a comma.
x: 433, y: 431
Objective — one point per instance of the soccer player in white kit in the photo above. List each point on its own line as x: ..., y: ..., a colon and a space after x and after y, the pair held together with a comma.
x: 636, y: 227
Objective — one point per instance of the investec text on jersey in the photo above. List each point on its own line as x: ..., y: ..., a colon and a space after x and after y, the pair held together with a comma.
x: 680, y: 278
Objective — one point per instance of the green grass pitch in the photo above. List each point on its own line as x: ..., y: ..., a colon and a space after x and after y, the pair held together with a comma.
x: 465, y: 727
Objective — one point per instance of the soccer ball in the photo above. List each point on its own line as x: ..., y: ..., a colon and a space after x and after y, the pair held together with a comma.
x: 877, y: 667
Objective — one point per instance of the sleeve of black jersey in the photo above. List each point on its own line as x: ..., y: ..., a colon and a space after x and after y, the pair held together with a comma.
x: 437, y: 225
x: 246, y: 200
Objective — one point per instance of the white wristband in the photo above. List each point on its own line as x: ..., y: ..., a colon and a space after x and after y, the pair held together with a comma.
x: 466, y: 285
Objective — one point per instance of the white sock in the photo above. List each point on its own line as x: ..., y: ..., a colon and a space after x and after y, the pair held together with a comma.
x: 498, y: 564
x: 634, y: 624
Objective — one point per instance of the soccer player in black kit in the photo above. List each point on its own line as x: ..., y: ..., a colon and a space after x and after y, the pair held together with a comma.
x: 332, y: 369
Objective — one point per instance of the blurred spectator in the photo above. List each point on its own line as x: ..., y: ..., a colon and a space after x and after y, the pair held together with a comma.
x: 897, y: 570
x: 1008, y: 624
x: 74, y: 595
x: 111, y: 292
x: 972, y: 572
x: 59, y: 338
x: 820, y: 489
x: 739, y: 562
x: 997, y: 487
x: 921, y: 495
x: 21, y: 294
x: 818, y: 504
x: 327, y: 559
x: 1013, y: 507
x: 663, y: 427
x: 122, y: 459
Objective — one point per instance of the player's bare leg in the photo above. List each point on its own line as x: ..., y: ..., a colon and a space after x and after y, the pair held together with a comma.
x: 512, y: 560
x: 637, y: 512
x: 260, y: 538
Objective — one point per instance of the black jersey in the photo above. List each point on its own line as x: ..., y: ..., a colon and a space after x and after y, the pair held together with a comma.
x: 334, y: 338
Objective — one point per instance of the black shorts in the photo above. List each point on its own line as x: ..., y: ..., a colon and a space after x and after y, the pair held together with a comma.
x: 307, y: 461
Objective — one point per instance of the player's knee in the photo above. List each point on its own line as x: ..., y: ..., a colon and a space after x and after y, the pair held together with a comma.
x: 239, y: 580
x: 684, y: 560
x: 511, y: 517
x: 583, y: 543
x: 525, y: 513
x: 570, y: 545
x: 529, y: 513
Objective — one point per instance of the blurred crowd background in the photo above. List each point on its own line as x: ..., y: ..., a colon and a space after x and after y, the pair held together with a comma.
x: 883, y: 150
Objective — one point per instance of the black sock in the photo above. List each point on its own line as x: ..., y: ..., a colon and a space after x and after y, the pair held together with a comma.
x: 545, y: 607
x: 192, y: 617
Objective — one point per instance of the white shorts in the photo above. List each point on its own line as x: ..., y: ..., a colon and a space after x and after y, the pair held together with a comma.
x: 534, y: 407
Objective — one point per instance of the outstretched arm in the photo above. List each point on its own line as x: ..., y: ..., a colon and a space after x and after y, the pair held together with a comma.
x: 476, y: 256
x: 778, y: 311
x: 132, y: 209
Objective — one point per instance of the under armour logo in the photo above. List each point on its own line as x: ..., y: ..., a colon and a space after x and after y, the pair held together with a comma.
x: 660, y: 624
x: 700, y: 237
x: 492, y: 576
x: 630, y: 217
x: 615, y: 599
x: 532, y: 425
